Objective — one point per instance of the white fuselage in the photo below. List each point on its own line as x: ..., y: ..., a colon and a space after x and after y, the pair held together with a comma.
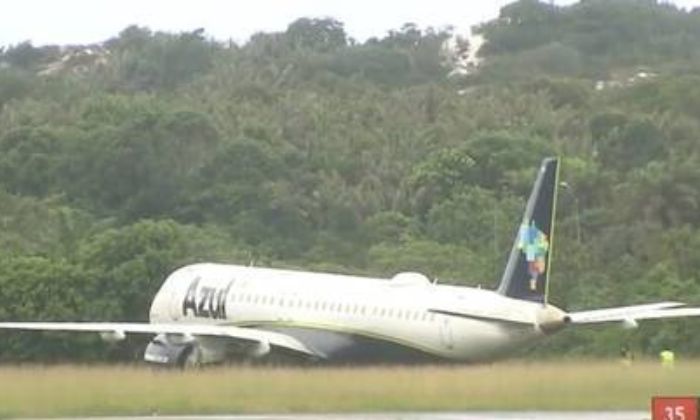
x: 399, y: 311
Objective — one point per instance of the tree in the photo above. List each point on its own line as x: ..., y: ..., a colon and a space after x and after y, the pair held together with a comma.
x: 13, y: 85
x: 145, y: 61
x: 477, y: 218
x: 29, y: 159
x: 36, y: 289
x: 139, y: 155
x: 316, y: 34
x: 132, y: 263
x: 627, y: 144
x: 25, y: 56
x: 447, y: 263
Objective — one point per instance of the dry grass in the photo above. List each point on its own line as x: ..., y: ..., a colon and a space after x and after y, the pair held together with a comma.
x: 109, y: 390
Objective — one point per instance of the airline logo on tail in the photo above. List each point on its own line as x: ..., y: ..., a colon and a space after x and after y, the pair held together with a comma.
x: 534, y: 244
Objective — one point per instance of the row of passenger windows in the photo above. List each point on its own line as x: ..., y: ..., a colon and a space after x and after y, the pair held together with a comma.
x: 346, y: 308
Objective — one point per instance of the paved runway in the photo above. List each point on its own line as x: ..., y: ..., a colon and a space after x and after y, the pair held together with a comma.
x: 483, y: 415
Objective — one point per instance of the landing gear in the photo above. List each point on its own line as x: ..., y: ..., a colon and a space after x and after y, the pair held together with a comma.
x: 190, y: 358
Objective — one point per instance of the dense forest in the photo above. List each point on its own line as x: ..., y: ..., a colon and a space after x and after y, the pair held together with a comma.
x: 122, y: 161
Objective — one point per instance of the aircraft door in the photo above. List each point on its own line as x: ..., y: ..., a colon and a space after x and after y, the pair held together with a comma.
x: 175, y: 304
x: 176, y: 293
x: 446, y: 332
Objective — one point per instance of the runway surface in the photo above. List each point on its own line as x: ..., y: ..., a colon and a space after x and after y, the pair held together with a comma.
x: 483, y: 415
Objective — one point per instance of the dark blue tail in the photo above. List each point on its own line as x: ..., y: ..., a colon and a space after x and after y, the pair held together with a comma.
x: 527, y: 273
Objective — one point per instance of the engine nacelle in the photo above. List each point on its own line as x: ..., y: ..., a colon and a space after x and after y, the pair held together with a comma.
x: 162, y: 350
x: 260, y: 350
x: 113, y: 336
x: 629, y: 323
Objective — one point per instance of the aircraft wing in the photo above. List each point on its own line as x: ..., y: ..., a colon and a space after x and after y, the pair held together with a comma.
x: 235, y: 334
x: 633, y: 313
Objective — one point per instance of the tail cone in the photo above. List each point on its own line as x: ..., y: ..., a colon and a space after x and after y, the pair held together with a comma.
x: 551, y: 319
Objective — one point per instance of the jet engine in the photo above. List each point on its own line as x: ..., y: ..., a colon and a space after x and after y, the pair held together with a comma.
x: 180, y: 351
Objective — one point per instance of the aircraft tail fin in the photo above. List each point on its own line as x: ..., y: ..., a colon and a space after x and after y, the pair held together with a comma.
x: 527, y: 272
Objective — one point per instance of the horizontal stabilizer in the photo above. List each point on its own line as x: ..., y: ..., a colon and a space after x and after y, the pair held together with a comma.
x: 635, y: 312
x: 671, y: 313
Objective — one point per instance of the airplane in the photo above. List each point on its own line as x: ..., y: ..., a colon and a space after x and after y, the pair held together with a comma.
x: 209, y: 313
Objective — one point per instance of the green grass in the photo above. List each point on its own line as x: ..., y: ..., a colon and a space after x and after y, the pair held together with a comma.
x: 111, y: 390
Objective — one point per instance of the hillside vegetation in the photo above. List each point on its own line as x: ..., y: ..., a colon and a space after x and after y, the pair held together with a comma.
x: 121, y: 161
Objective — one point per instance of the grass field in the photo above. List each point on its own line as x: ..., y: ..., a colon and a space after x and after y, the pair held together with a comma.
x: 571, y: 385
